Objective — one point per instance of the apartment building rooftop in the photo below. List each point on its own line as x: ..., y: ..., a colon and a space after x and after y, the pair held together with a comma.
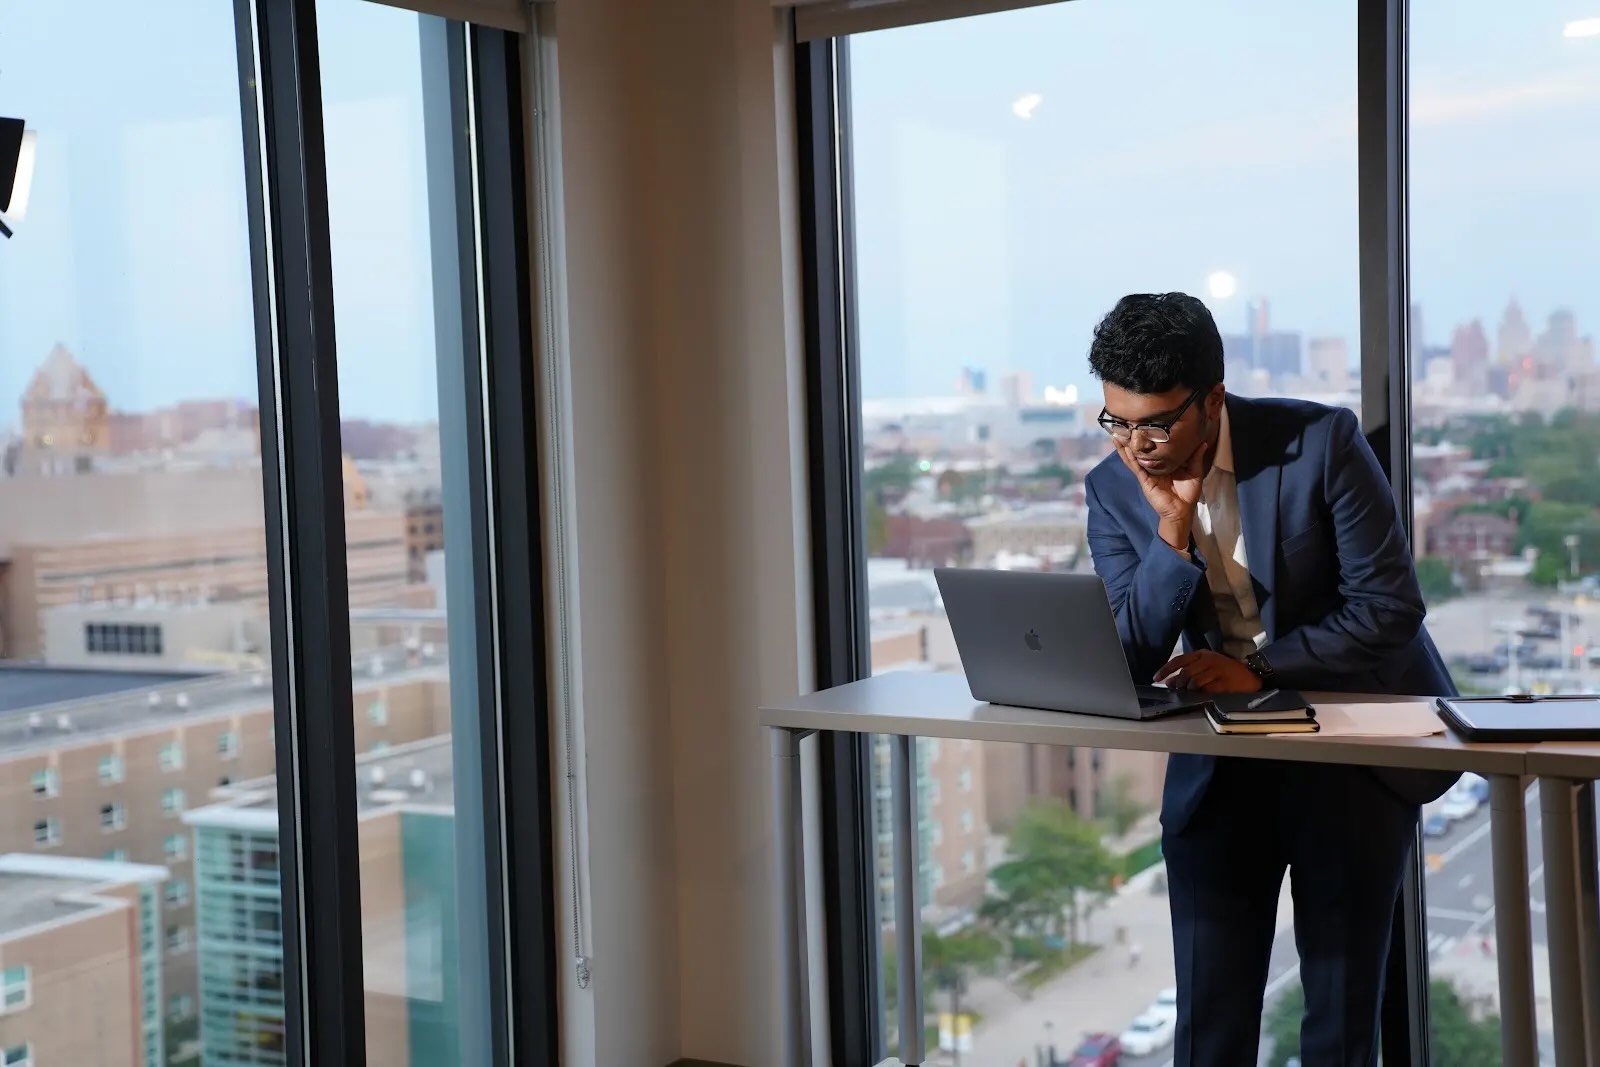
x: 27, y: 685
x: 419, y: 775
x: 39, y: 890
x: 65, y: 704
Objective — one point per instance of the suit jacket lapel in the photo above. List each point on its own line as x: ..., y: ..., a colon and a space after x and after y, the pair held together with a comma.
x: 1257, y: 472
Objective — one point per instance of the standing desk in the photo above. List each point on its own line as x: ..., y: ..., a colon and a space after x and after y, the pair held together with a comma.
x: 911, y: 705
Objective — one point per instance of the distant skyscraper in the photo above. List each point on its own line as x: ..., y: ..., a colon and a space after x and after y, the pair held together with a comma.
x: 1416, y: 338
x: 1559, y: 348
x: 1515, y: 340
x: 1328, y: 363
x: 1017, y: 388
x: 1469, y: 355
x: 1263, y: 350
x: 974, y: 381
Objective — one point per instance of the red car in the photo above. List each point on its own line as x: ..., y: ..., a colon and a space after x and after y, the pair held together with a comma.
x: 1097, y: 1050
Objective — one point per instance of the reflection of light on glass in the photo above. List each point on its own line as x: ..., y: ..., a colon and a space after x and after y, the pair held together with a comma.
x: 1221, y: 285
x: 924, y: 466
x: 1582, y: 28
x: 1024, y: 105
x: 1065, y: 396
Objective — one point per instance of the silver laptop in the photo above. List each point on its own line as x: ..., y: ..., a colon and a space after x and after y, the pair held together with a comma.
x: 1040, y: 640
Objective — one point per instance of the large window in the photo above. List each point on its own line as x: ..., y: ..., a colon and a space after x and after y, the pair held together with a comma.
x: 1008, y: 178
x: 1505, y: 251
x: 131, y: 504
x: 159, y: 508
x: 1013, y: 176
x: 387, y: 88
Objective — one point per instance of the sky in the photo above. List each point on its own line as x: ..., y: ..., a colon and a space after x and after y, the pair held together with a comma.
x: 134, y: 252
x: 1171, y: 139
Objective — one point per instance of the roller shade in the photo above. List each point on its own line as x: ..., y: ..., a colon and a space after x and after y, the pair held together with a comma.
x: 510, y: 15
x: 817, y: 19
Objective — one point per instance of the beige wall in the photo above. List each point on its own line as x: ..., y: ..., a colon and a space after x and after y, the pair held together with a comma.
x: 85, y: 985
x: 688, y: 519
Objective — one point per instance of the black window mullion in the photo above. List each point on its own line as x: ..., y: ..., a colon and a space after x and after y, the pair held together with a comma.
x: 303, y: 479
x: 840, y: 615
x: 1382, y: 117
x: 522, y: 759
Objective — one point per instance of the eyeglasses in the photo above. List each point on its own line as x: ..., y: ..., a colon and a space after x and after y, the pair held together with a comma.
x: 1157, y: 433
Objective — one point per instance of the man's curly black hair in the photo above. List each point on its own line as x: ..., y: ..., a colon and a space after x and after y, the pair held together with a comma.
x: 1153, y: 342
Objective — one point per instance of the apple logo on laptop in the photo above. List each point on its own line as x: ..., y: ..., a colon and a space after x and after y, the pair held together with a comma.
x: 1031, y: 639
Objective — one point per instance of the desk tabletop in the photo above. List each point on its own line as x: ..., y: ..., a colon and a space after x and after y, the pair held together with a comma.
x: 940, y: 705
x: 1565, y: 759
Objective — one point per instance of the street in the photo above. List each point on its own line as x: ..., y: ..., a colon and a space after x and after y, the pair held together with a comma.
x: 1106, y: 992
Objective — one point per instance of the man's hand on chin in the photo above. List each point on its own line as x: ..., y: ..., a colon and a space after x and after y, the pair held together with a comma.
x: 1209, y: 672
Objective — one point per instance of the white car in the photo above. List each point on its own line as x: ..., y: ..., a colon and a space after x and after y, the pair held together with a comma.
x: 1165, y: 1006
x: 1459, y: 804
x: 1148, y: 1033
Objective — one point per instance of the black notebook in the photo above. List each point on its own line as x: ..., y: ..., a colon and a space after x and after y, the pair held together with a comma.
x: 1523, y: 718
x: 1278, y: 711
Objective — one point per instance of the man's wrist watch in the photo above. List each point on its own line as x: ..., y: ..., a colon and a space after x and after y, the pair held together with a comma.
x: 1257, y: 662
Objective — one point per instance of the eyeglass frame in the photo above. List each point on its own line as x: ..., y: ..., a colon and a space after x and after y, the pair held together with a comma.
x: 1110, y: 423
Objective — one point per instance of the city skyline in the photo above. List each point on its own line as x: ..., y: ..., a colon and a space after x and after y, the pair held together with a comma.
x: 1021, y: 228
x: 984, y: 238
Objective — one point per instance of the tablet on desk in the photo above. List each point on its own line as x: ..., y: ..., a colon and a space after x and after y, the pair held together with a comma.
x: 1523, y: 718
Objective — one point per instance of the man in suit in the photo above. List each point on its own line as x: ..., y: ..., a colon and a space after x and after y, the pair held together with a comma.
x: 1262, y: 534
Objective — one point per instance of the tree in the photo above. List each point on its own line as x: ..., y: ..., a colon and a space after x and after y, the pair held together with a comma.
x: 1437, y: 579
x: 949, y: 961
x: 1117, y: 807
x: 1458, y: 1036
x: 1055, y: 856
x: 877, y: 527
x: 1061, y: 474
x: 895, y: 473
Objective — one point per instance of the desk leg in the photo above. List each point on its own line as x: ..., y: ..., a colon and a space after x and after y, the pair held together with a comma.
x: 1508, y: 841
x: 794, y: 984
x: 907, y: 913
x: 1558, y: 810
x: 1589, y: 912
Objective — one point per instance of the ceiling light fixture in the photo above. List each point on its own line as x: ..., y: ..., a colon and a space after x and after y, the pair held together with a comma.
x: 18, y: 146
x: 1221, y: 284
x: 1024, y: 106
x: 1582, y: 28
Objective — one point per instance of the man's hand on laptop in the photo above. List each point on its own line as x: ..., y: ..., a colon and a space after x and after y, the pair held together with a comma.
x: 1208, y: 672
x: 1173, y: 496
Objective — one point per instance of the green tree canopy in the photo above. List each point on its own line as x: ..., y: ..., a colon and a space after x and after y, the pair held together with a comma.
x: 1458, y: 1036
x: 1054, y: 855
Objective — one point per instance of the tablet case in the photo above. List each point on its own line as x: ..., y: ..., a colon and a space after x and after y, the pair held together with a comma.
x: 1523, y: 718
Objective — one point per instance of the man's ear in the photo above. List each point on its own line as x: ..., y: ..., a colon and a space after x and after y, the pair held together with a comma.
x: 1215, y: 399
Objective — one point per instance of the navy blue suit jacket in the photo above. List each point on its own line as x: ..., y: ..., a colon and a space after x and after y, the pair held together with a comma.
x: 1332, y: 571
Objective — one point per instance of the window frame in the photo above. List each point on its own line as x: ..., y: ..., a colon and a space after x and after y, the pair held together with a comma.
x: 7, y: 985
x: 504, y: 836
x: 50, y: 778
x: 822, y: 94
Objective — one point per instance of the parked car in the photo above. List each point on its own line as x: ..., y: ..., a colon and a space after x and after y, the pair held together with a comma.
x: 1148, y: 1033
x: 1459, y: 803
x: 1477, y: 785
x: 1435, y: 825
x: 1165, y: 1005
x: 1097, y: 1050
